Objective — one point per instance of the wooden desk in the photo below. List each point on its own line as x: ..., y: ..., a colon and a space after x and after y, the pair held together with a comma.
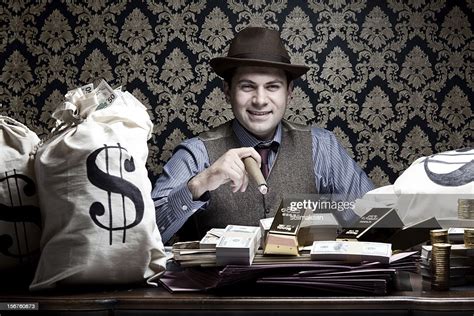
x: 157, y: 301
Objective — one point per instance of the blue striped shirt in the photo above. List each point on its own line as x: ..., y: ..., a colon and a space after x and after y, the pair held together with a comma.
x: 335, y: 173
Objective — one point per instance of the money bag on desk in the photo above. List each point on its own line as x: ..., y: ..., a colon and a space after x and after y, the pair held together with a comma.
x: 95, y: 195
x: 20, y: 218
x: 435, y: 185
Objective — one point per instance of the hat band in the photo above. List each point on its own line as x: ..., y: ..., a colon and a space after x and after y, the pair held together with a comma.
x: 266, y: 57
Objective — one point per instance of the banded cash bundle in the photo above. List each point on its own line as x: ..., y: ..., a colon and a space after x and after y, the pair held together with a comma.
x: 211, y: 239
x: 352, y: 251
x: 238, y: 245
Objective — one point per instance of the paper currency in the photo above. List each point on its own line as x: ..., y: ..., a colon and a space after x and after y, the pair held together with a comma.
x: 105, y: 95
x: 211, y: 239
x: 238, y: 245
x: 88, y: 88
x: 351, y: 251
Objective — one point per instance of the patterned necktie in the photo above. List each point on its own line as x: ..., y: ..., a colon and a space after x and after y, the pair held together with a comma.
x: 264, y: 155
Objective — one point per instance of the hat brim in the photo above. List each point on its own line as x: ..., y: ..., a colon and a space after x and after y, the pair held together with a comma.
x: 222, y: 64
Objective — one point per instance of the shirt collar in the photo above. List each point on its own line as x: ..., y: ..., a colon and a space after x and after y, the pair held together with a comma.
x: 248, y: 140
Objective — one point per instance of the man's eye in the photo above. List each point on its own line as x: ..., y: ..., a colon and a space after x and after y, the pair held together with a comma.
x: 246, y: 87
x: 274, y: 87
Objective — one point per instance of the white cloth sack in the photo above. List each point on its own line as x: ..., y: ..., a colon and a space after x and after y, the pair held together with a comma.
x: 432, y: 185
x: 95, y: 195
x: 19, y: 210
x: 380, y: 197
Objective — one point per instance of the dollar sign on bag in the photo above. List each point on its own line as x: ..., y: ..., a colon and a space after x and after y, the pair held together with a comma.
x: 18, y: 214
x: 461, y: 176
x: 113, y: 184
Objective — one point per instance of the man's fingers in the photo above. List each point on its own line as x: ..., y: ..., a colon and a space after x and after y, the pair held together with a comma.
x: 249, y: 152
x: 245, y: 183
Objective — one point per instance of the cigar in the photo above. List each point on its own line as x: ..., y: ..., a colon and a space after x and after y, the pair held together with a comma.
x: 254, y: 171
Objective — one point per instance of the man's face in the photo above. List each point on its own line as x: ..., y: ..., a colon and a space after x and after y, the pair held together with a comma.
x: 258, y: 96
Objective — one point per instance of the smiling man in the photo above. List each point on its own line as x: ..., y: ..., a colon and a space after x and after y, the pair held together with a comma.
x: 205, y: 184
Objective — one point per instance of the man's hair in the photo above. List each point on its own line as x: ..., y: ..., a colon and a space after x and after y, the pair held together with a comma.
x: 229, y: 74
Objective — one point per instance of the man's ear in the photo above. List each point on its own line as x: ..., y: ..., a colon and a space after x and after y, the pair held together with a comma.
x: 290, y: 90
x: 226, y: 88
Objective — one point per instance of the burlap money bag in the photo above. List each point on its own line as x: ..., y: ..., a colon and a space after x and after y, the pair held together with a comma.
x: 19, y: 211
x: 431, y: 186
x: 98, y: 216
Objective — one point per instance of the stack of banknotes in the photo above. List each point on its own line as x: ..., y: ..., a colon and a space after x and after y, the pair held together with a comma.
x: 351, y: 251
x: 238, y: 245
x: 220, y: 246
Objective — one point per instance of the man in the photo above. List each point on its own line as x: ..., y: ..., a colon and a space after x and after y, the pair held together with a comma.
x: 206, y: 180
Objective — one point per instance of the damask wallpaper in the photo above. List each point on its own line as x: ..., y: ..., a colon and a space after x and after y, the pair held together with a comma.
x: 394, y: 80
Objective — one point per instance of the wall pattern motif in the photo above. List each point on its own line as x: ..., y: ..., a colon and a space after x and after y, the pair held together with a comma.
x: 394, y: 79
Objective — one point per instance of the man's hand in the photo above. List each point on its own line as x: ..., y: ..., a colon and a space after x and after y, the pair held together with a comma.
x: 228, y: 168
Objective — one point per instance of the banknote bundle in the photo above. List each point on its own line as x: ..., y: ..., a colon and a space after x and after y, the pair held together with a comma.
x: 238, y: 245
x: 211, y: 239
x: 351, y: 251
x: 198, y: 253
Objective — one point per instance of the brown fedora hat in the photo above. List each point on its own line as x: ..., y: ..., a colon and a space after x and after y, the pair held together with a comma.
x: 257, y: 46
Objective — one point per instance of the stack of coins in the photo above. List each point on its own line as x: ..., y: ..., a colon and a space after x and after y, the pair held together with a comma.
x: 466, y: 208
x: 469, y: 237
x: 439, y: 236
x: 440, y: 254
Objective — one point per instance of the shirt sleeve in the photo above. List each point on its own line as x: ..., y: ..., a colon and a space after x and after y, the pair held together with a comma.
x: 336, y: 173
x: 173, y: 200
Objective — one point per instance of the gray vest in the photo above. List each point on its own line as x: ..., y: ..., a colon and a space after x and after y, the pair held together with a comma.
x: 292, y: 172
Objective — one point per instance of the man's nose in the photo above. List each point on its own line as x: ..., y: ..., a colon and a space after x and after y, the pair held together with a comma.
x: 260, y: 97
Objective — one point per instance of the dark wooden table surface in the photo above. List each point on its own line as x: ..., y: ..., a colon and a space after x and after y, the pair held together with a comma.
x: 418, y: 300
